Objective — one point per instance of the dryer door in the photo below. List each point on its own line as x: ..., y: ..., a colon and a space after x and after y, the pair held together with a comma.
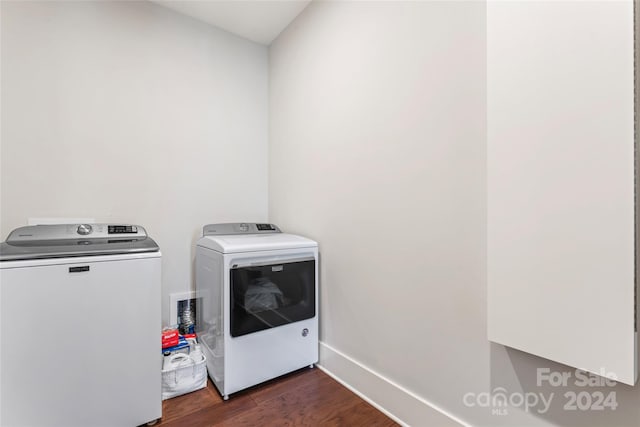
x: 268, y: 295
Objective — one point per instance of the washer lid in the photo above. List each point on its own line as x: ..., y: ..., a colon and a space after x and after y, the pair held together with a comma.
x: 255, y: 242
x: 73, y: 240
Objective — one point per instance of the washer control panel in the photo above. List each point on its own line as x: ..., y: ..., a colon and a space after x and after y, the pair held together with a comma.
x: 76, y: 231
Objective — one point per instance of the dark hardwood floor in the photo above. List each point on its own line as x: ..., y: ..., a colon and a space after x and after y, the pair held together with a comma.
x: 307, y: 397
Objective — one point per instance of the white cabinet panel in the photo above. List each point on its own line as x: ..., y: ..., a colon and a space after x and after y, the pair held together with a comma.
x: 561, y: 214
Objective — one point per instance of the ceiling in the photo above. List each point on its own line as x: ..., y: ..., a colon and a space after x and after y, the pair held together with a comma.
x: 258, y: 20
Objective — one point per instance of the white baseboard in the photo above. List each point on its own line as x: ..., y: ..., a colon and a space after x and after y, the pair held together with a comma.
x: 401, y: 405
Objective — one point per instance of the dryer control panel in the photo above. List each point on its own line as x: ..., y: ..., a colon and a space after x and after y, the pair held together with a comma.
x: 239, y: 228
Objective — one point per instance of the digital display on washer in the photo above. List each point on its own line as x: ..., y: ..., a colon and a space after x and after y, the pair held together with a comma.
x: 265, y: 227
x: 122, y: 229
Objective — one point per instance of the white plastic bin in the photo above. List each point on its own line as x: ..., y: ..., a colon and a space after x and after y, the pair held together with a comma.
x: 183, y: 376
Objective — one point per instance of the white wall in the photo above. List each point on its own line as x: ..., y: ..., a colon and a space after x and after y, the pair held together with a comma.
x: 378, y: 151
x: 130, y: 112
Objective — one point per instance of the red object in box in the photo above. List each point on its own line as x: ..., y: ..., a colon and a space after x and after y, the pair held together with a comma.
x: 170, y: 338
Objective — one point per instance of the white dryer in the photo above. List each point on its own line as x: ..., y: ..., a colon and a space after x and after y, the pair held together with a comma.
x: 80, y: 326
x: 257, y: 293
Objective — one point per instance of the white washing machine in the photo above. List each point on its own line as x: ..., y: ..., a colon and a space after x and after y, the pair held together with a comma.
x: 257, y: 293
x: 80, y: 326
